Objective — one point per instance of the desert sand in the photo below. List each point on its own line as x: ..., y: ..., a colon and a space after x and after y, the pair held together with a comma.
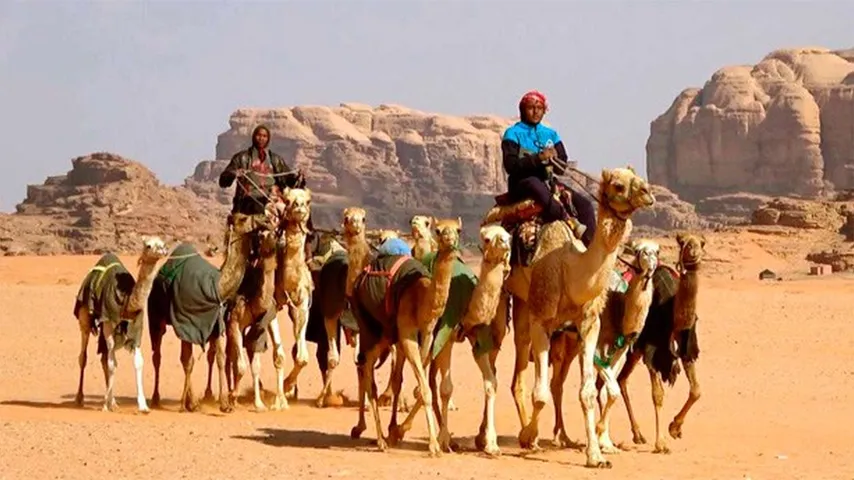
x: 776, y: 394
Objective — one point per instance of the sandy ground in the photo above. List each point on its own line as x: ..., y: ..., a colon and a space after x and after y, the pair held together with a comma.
x: 777, y: 400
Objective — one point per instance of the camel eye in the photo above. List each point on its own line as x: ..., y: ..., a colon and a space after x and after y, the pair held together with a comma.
x: 619, y: 188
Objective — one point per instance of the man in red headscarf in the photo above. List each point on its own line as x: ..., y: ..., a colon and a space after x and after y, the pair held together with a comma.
x: 532, y: 152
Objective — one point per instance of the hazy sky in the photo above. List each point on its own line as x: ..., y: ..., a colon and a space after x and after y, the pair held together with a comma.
x: 156, y: 81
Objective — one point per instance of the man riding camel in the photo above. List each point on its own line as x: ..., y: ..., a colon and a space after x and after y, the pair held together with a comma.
x: 533, y: 153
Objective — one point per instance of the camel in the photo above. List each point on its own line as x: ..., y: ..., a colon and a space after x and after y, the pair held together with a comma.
x: 470, y: 313
x: 188, y: 294
x: 569, y: 285
x: 110, y: 304
x: 396, y: 300
x: 672, y: 315
x: 294, y: 285
x: 622, y: 321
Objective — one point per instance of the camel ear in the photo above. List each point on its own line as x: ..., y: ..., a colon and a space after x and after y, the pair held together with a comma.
x: 606, y: 175
x: 459, y: 224
x: 631, y: 169
x: 680, y: 239
x: 703, y: 242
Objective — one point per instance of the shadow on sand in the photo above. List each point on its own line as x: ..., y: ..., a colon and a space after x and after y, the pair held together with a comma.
x: 90, y: 402
x: 276, y: 437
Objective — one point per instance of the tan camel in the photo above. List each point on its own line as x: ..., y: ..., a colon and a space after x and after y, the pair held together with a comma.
x: 251, y: 317
x: 471, y: 309
x: 188, y: 294
x: 110, y: 304
x: 294, y: 285
x: 622, y: 321
x: 422, y: 235
x: 671, y: 320
x: 569, y: 285
x: 396, y: 301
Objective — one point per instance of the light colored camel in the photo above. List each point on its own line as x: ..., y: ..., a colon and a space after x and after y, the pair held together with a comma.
x: 622, y: 321
x: 294, y: 285
x: 477, y: 323
x: 162, y: 304
x: 672, y: 320
x: 411, y: 312
x: 569, y: 285
x: 110, y: 304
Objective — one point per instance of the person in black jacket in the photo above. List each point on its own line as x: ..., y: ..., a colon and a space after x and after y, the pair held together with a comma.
x: 532, y: 153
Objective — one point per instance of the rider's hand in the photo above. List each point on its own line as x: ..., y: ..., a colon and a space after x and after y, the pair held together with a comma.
x: 547, y: 155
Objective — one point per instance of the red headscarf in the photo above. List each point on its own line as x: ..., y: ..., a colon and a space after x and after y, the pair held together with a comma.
x: 533, y: 95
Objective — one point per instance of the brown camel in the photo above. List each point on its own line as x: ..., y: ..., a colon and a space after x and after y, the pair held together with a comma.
x: 622, y: 321
x: 188, y: 294
x: 396, y: 301
x: 110, y: 304
x: 569, y: 285
x: 669, y: 336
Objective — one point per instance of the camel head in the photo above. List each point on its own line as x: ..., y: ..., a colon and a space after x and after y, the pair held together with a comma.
x: 646, y: 255
x: 297, y: 204
x: 624, y: 192
x: 354, y: 221
x: 267, y: 241
x: 422, y: 225
x: 691, y: 249
x: 495, y: 243
x: 448, y: 233
x: 153, y: 249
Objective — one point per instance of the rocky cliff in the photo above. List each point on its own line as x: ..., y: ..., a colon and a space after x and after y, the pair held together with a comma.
x: 106, y: 202
x: 780, y: 127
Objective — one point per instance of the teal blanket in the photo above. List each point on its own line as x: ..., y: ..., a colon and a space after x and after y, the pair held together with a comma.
x: 463, y: 281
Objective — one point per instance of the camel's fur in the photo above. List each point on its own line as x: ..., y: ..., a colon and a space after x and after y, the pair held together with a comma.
x: 683, y: 319
x: 247, y: 310
x: 422, y: 235
x: 569, y: 284
x: 418, y: 310
x: 480, y: 314
x: 622, y: 321
x: 447, y: 234
x: 231, y: 275
x: 294, y: 285
x: 153, y: 251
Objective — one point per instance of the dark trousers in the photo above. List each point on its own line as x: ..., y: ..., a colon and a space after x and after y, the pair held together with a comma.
x: 537, y: 190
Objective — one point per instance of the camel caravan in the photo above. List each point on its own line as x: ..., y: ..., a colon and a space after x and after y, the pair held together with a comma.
x: 563, y: 286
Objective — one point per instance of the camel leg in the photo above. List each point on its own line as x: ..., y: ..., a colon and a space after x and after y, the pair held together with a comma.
x: 156, y: 333
x: 442, y: 363
x: 108, y: 360
x: 209, y: 387
x: 522, y: 339
x: 499, y: 331
x: 385, y: 399
x: 395, y: 431
x: 631, y: 362
x: 85, y: 327
x: 188, y: 401
x: 138, y: 362
x: 332, y: 359
x: 281, y: 402
x: 409, y: 344
x: 693, y: 395
x: 589, y: 335
x: 299, y: 315
x: 255, y: 367
x: 238, y: 370
x: 564, y: 349
x: 658, y: 401
x: 607, y: 397
x: 218, y: 347
x: 367, y: 384
x: 529, y: 435
x: 488, y: 436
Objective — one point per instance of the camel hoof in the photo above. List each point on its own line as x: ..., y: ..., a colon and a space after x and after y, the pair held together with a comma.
x: 435, y: 450
x: 109, y: 407
x: 356, y: 432
x: 320, y: 401
x: 562, y: 440
x: 78, y: 400
x: 260, y: 407
x: 662, y: 449
x: 528, y: 438
x: 609, y: 449
x: 382, y: 444
x: 395, y: 434
x: 384, y: 400
x: 445, y: 443
x: 280, y: 404
x: 451, y: 406
x: 599, y: 464
x: 492, y: 451
x: 209, y: 396
x: 675, y: 429
x: 144, y: 410
x: 155, y: 401
x: 291, y: 392
x: 226, y: 407
x: 638, y: 438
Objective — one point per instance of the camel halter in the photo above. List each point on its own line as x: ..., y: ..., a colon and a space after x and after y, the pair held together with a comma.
x: 683, y: 266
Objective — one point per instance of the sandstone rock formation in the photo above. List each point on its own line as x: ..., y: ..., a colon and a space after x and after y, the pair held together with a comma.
x: 106, y: 202
x: 780, y: 127
x: 669, y: 213
x: 801, y: 213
